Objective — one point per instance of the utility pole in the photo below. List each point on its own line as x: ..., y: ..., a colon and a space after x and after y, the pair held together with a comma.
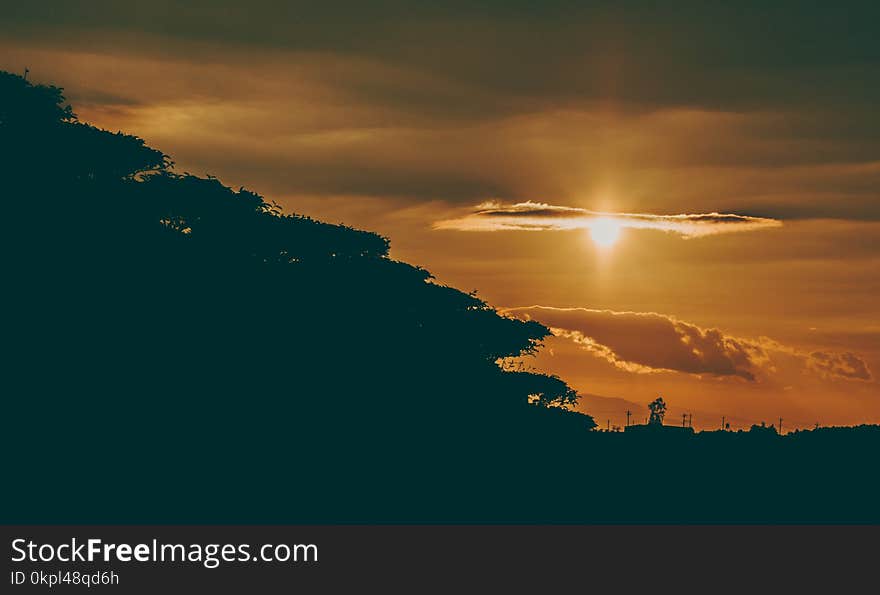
x: 26, y: 71
x: 723, y: 419
x: 683, y: 417
x: 607, y: 425
x: 690, y: 420
x: 628, y: 414
x: 780, y: 426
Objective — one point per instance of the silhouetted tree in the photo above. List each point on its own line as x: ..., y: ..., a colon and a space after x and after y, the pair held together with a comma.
x: 169, y: 305
x: 658, y: 411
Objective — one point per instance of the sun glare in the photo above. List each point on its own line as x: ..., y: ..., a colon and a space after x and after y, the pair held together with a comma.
x: 604, y: 232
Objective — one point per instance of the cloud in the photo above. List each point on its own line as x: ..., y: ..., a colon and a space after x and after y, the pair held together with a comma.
x: 646, y: 342
x: 317, y: 115
x: 843, y: 365
x: 558, y: 50
x: 535, y: 216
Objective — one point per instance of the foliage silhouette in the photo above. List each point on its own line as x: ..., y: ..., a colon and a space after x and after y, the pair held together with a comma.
x: 174, y: 316
x: 658, y: 411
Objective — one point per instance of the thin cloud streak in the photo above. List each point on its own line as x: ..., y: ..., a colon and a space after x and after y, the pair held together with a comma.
x: 535, y: 216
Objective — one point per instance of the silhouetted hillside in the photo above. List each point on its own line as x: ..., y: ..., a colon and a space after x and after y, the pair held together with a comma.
x: 186, y: 337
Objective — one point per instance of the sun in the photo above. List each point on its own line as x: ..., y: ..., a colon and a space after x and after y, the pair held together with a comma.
x: 605, y: 232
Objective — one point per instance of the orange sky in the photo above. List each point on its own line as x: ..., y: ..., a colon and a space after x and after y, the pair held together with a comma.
x: 407, y: 122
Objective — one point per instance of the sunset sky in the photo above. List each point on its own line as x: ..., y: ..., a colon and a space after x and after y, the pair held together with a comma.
x: 688, y: 197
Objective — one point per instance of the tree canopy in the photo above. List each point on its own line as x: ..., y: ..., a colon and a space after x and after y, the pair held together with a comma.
x: 170, y: 305
x: 658, y: 411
